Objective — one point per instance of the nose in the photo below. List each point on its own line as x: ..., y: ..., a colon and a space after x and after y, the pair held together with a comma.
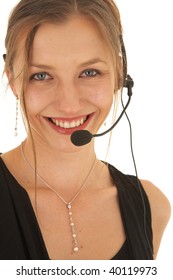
x: 68, y: 99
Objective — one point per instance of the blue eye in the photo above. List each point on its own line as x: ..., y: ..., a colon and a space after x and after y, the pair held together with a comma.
x: 40, y: 76
x: 90, y: 73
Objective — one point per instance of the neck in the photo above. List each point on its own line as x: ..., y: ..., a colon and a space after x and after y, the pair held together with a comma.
x: 65, y: 172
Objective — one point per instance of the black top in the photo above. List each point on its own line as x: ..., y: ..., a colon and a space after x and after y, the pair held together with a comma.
x: 20, y: 235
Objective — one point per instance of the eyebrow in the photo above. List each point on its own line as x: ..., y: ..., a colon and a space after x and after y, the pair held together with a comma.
x: 41, y: 66
x: 86, y: 63
x: 93, y: 61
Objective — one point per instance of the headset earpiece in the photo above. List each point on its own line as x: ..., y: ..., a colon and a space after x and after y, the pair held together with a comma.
x: 4, y: 57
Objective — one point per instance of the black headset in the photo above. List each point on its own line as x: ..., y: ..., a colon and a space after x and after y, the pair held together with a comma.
x: 83, y: 137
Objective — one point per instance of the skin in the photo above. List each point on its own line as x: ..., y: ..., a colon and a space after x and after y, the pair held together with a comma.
x: 68, y: 51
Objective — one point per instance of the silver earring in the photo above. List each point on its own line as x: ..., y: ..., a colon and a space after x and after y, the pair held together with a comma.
x: 17, y: 113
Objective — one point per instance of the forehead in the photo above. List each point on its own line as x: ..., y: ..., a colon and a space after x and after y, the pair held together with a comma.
x: 76, y: 37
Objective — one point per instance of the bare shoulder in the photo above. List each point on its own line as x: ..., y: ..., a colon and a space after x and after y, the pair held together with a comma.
x: 160, y: 211
x: 158, y: 201
x: 11, y: 157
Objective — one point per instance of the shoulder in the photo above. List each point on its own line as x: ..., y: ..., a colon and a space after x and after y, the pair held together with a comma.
x: 9, y: 157
x: 159, y: 203
x: 160, y: 211
x: 8, y: 163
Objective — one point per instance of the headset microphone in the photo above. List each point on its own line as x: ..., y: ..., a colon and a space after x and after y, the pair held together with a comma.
x: 83, y: 137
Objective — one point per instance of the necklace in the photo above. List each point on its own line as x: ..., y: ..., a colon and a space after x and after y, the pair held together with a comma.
x: 75, y: 247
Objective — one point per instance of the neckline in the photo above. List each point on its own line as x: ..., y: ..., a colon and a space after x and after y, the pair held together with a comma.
x: 117, y: 255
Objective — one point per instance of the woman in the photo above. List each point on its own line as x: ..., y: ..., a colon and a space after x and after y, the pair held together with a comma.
x: 65, y: 64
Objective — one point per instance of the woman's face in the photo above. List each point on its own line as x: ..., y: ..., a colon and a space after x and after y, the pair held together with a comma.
x: 71, y: 81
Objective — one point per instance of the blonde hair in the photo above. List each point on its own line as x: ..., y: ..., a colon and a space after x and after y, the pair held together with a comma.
x: 28, y: 15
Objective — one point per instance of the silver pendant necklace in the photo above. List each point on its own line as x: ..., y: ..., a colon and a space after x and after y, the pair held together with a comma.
x: 75, y: 246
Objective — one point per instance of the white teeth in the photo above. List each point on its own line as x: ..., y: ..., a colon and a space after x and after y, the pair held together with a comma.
x: 66, y: 125
x: 61, y: 124
x: 78, y: 123
x: 73, y: 124
x: 69, y: 124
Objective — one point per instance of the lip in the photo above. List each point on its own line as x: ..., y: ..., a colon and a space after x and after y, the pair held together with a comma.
x: 69, y: 131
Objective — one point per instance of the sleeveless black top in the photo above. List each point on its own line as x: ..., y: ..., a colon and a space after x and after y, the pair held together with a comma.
x: 20, y: 235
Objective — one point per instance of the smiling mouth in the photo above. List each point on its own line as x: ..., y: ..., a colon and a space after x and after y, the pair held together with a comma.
x: 69, y: 124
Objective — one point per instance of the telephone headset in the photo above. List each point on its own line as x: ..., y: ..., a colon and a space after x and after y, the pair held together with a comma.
x: 83, y: 137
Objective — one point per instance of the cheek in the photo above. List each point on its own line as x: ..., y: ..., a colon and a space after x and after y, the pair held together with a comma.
x: 100, y: 92
x: 102, y: 97
x: 36, y: 98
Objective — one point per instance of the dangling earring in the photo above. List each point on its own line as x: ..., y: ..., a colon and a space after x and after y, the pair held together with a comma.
x: 17, y: 113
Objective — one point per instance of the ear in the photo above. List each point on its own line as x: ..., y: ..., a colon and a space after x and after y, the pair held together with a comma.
x: 10, y: 78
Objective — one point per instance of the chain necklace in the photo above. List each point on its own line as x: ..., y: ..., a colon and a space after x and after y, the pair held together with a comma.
x: 68, y: 204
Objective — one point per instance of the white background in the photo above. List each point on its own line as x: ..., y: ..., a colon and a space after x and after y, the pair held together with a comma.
x: 148, y: 38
